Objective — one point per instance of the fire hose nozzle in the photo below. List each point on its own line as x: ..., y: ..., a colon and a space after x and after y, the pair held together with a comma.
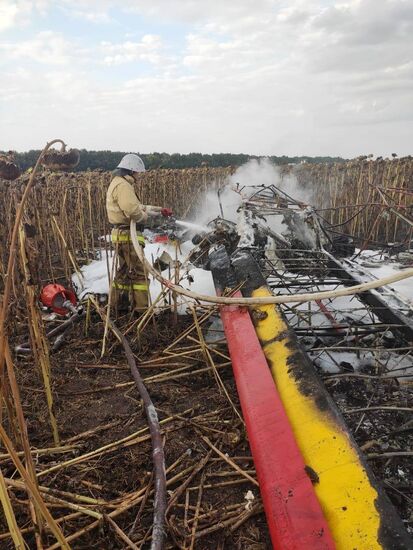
x: 75, y: 309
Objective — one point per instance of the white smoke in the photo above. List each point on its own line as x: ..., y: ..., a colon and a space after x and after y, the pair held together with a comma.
x: 264, y: 173
x: 238, y: 187
x: 216, y: 203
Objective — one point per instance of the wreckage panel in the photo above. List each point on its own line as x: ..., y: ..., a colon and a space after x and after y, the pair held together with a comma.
x: 358, y: 511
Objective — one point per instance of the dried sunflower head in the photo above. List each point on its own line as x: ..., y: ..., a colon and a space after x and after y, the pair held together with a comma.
x: 61, y: 160
x: 9, y: 170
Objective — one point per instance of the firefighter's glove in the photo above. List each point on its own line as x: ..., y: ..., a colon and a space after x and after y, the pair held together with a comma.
x: 166, y: 212
x: 153, y: 211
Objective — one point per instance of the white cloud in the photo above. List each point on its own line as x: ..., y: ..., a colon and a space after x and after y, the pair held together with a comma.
x: 196, y: 11
x: 9, y: 12
x: 148, y: 49
x: 47, y: 47
x: 16, y: 13
x: 98, y: 17
x: 262, y: 76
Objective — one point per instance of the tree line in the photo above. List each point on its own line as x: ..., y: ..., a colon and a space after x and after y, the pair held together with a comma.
x: 108, y: 160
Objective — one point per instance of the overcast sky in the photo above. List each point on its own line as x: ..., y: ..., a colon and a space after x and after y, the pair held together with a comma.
x: 297, y: 77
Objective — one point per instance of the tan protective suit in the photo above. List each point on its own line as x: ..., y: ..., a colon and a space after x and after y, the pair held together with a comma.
x: 130, y: 285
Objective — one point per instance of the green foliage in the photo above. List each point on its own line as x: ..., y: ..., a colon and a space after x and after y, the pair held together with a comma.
x: 108, y: 160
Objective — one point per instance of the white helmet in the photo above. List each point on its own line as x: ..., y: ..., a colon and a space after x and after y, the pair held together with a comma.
x: 132, y: 162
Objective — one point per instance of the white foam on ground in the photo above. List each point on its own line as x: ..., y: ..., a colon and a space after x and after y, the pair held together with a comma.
x: 404, y: 288
x: 377, y: 265
x: 96, y: 276
x: 384, y: 359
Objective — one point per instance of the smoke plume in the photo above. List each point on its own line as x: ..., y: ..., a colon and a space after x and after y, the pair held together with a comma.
x: 260, y: 172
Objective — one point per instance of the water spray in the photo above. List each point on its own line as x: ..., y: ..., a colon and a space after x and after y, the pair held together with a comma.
x: 192, y: 226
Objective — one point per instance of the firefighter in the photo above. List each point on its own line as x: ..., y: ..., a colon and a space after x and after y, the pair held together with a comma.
x: 130, y: 286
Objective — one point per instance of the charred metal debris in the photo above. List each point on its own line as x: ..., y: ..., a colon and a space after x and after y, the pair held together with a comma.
x: 361, y: 346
